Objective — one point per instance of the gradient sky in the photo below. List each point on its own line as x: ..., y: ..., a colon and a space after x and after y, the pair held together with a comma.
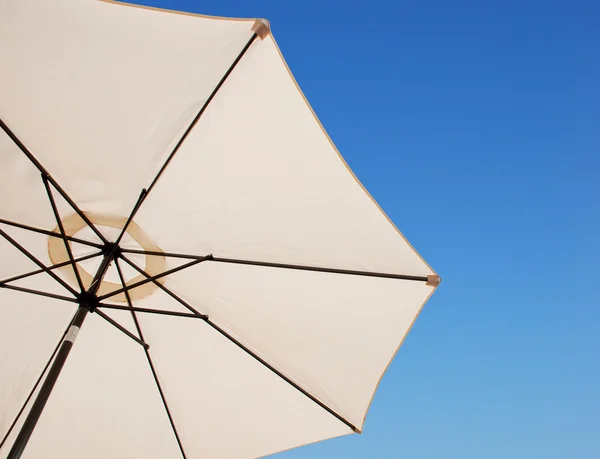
x: 475, y: 124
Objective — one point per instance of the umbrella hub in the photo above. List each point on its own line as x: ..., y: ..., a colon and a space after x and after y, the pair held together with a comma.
x: 88, y: 300
x: 112, y: 250
x: 134, y: 236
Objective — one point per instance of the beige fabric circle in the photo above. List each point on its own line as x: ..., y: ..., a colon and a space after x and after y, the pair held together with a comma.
x: 155, y: 264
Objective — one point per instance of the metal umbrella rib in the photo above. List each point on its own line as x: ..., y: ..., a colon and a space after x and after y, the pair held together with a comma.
x: 39, y: 293
x: 49, y: 268
x: 62, y: 232
x: 151, y: 311
x: 201, y: 111
x: 268, y: 264
x: 149, y: 358
x: 49, y: 233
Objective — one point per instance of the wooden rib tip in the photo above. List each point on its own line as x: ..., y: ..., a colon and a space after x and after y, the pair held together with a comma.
x: 433, y: 280
x: 262, y: 28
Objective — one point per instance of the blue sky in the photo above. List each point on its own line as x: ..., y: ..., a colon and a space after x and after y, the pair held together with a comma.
x: 475, y: 125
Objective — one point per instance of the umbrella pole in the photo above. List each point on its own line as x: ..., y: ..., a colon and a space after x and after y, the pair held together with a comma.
x: 87, y: 302
x: 44, y: 393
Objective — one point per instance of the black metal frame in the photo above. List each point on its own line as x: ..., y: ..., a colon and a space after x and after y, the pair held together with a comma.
x: 267, y: 264
x: 49, y: 233
x: 41, y: 270
x: 90, y: 302
x: 149, y: 359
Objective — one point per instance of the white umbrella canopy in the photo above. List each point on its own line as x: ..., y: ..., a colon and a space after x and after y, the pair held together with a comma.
x: 247, y: 292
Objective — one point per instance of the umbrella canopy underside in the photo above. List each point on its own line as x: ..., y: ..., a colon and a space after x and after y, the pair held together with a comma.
x: 256, y: 294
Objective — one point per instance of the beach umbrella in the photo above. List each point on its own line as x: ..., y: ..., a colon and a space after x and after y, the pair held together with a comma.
x: 189, y: 267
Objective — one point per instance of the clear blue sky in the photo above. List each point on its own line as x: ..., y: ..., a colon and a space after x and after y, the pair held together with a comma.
x: 476, y: 125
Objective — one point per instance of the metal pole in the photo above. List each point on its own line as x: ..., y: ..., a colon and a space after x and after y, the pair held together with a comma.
x: 87, y: 302
x: 48, y: 385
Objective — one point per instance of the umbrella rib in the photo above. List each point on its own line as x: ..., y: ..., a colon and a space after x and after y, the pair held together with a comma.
x: 282, y: 376
x: 131, y: 215
x: 149, y: 359
x: 49, y: 233
x: 37, y: 262
x: 161, y: 254
x: 319, y: 269
x: 176, y: 148
x: 257, y: 357
x: 268, y: 264
x: 41, y: 168
x: 62, y: 231
x: 39, y: 292
x: 153, y: 311
x: 202, y: 110
x: 37, y: 383
x: 121, y: 328
x: 56, y: 266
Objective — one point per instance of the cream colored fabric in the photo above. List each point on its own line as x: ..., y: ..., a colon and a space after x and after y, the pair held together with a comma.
x: 100, y: 93
x: 332, y: 334
x: 18, y: 177
x: 268, y: 184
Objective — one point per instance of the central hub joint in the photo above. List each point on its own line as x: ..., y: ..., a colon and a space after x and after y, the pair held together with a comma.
x: 111, y: 248
x: 88, y: 300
